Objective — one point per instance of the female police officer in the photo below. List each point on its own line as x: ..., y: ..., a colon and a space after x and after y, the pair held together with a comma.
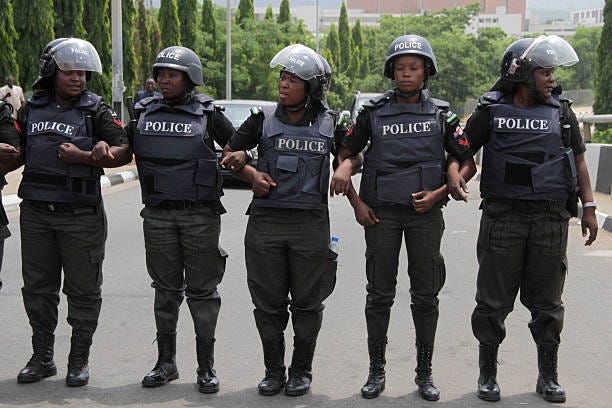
x: 69, y: 135
x: 402, y: 191
x: 287, y: 237
x: 533, y: 156
x: 181, y: 190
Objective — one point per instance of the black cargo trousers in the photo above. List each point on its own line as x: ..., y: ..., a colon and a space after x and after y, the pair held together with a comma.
x: 521, y: 245
x: 426, y: 270
x: 56, y: 238
x: 289, y: 267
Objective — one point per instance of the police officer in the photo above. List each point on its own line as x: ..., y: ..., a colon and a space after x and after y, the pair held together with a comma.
x: 69, y: 136
x: 533, y: 156
x: 289, y: 267
x: 10, y: 159
x: 181, y: 189
x: 401, y: 194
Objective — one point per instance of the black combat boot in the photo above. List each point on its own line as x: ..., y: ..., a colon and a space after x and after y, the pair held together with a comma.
x: 78, y: 359
x: 165, y: 369
x: 488, y: 390
x: 547, y: 384
x: 41, y: 365
x: 207, y: 376
x: 274, y: 359
x: 423, y: 379
x: 300, y: 372
x: 376, y: 378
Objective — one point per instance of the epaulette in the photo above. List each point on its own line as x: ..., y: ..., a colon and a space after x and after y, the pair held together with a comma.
x: 451, y: 117
x: 256, y: 110
x: 569, y: 101
x: 219, y: 108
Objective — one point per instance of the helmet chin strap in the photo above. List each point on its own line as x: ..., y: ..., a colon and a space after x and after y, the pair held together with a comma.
x: 296, y: 108
x: 533, y: 91
x: 406, y: 95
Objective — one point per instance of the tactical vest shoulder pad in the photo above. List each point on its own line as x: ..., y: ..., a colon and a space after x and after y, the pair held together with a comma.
x: 6, y: 105
x: 490, y: 98
x: 89, y: 101
x: 442, y: 105
x: 202, y: 98
x: 147, y: 101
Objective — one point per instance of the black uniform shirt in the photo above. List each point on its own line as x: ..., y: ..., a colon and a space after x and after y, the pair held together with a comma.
x: 361, y: 133
x: 478, y: 131
x: 107, y: 125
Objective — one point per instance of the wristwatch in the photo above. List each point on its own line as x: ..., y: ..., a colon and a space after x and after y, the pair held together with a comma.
x: 589, y: 204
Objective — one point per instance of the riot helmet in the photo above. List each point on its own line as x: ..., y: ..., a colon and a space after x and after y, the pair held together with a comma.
x: 545, y: 51
x: 411, y: 45
x: 67, y: 54
x: 182, y: 59
x: 307, y: 65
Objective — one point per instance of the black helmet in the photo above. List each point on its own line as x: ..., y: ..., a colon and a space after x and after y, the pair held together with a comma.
x: 305, y: 63
x: 181, y: 59
x: 411, y: 45
x: 67, y: 54
x: 524, y: 55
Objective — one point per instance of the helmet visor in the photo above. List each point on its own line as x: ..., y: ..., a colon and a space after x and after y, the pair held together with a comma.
x: 549, y: 51
x: 75, y: 54
x: 299, y: 60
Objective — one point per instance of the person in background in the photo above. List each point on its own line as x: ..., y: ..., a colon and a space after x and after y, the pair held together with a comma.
x: 11, y: 158
x: 402, y: 192
x: 69, y: 136
x: 148, y: 92
x: 13, y: 94
x: 533, y: 159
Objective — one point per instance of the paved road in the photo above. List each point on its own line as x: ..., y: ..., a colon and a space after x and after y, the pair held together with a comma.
x: 124, y: 351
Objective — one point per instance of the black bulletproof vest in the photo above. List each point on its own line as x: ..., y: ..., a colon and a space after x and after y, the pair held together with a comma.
x: 406, y: 154
x: 297, y: 159
x: 45, y: 176
x: 173, y: 161
x: 525, y: 157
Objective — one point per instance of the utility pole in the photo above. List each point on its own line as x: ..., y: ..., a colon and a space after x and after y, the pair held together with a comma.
x: 317, y: 26
x: 117, y: 57
x: 228, y: 51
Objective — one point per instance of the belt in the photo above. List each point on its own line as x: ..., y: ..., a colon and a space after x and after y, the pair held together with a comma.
x: 61, y: 208
x: 530, y: 205
x: 182, y: 204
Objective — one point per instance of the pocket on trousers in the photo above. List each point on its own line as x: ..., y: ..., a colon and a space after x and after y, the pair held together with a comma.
x: 96, y: 256
x: 221, y: 262
x: 439, y: 273
x: 328, y: 280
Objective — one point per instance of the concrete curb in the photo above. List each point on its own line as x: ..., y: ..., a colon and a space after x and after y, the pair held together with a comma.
x: 603, y: 220
x: 11, y: 201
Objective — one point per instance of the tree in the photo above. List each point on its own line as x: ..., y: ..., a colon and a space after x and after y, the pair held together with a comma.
x: 284, y: 14
x: 169, y: 23
x: 603, y: 68
x: 585, y: 41
x: 344, y: 37
x: 32, y: 37
x: 269, y: 13
x: 8, y: 38
x: 187, y: 16
x: 208, y: 27
x: 97, y: 24
x: 68, y: 18
x: 245, y: 12
x: 356, y: 35
x: 128, y: 15
x: 332, y: 48
x: 143, y: 43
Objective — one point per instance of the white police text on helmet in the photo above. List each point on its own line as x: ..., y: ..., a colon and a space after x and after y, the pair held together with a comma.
x: 296, y: 61
x: 169, y: 55
x: 408, y: 45
x: 79, y: 51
